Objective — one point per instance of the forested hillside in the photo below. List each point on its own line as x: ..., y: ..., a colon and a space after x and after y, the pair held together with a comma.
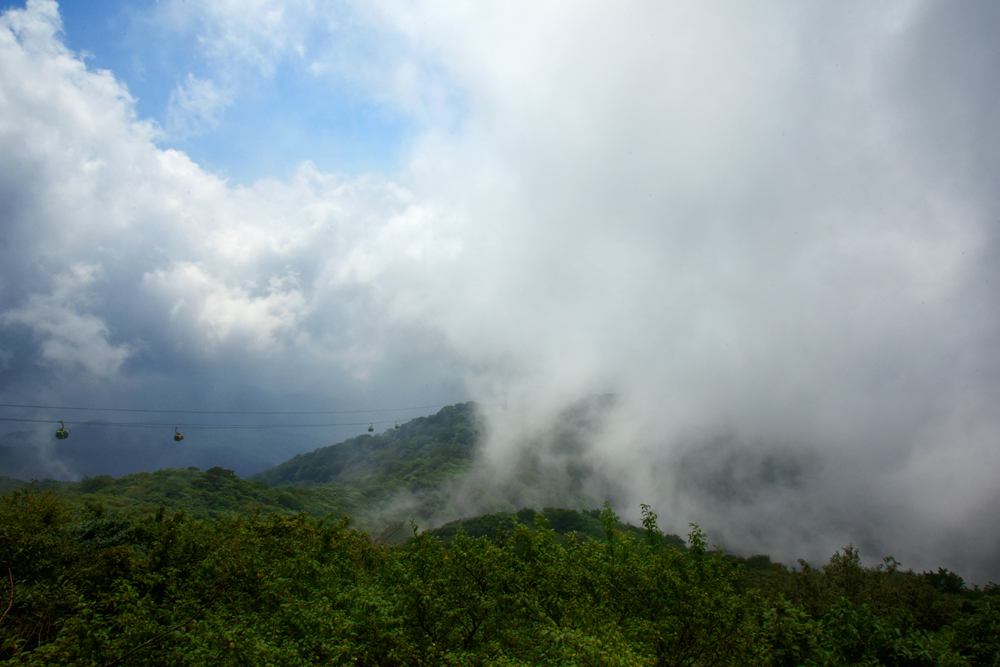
x: 97, y: 587
x: 430, y: 469
x: 185, y: 566
x: 208, y: 493
x: 358, y: 477
x: 419, y: 454
x: 563, y: 522
x: 427, y: 469
x: 8, y: 484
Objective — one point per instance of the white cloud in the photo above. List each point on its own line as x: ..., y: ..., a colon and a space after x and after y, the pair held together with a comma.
x: 249, y: 264
x: 36, y: 26
x: 257, y: 33
x: 344, y: 46
x: 196, y: 106
x: 220, y: 312
x: 69, y: 339
x: 724, y: 214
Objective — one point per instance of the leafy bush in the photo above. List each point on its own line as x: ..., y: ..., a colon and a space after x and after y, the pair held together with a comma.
x: 96, y: 586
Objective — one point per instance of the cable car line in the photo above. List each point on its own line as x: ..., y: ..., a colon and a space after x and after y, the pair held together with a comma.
x: 225, y: 412
x: 190, y: 426
x: 62, y: 433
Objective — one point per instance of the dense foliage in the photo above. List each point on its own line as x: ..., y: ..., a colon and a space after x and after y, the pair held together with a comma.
x: 198, y: 493
x: 100, y: 587
x: 430, y: 468
x: 419, y: 454
x: 582, y: 524
x: 362, y: 477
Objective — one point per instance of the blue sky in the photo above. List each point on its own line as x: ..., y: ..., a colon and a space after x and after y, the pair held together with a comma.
x: 771, y: 227
x: 274, y: 120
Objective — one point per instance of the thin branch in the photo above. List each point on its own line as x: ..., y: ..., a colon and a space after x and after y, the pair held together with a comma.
x: 163, y: 634
x: 11, y: 603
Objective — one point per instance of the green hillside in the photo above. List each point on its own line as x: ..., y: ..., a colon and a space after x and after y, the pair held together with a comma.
x: 394, y: 475
x: 359, y: 478
x: 218, y: 492
x: 419, y: 454
x: 198, y: 493
x: 183, y: 566
x: 93, y: 587
x: 429, y: 469
x: 585, y: 524
x: 8, y: 484
x: 426, y: 469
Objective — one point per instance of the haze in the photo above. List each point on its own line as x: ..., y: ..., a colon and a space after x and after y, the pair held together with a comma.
x: 771, y: 231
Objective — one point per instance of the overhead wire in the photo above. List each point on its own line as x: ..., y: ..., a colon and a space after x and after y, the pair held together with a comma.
x: 195, y: 425
x: 190, y: 425
x: 224, y: 412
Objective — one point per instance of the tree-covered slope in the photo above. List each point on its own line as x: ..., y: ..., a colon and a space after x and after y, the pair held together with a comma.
x: 429, y: 468
x: 356, y: 477
x: 420, y: 454
x: 96, y: 587
x: 426, y: 469
x: 8, y: 484
x: 585, y: 524
x: 208, y: 493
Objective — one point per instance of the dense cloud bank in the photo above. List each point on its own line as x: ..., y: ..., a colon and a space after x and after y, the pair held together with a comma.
x: 772, y: 233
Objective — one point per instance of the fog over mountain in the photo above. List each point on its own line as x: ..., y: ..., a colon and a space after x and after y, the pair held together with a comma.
x: 771, y: 231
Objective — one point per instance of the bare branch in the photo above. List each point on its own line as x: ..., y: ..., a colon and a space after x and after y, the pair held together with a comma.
x: 11, y: 603
x: 163, y: 634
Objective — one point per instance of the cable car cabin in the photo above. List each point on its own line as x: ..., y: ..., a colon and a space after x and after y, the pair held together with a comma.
x: 62, y: 433
x: 371, y: 428
x: 396, y: 427
x: 178, y: 436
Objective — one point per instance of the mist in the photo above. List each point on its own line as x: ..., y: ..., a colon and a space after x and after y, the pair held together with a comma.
x: 771, y: 234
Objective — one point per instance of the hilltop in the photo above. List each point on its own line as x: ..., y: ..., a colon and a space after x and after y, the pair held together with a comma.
x: 428, y: 469
x: 432, y: 469
x: 418, y: 454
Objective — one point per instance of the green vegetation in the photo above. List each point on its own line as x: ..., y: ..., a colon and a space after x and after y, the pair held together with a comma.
x: 420, y: 454
x: 198, y: 493
x: 587, y: 524
x: 360, y: 477
x: 416, y: 461
x: 202, y: 567
x: 97, y: 586
x: 8, y: 484
x: 415, y: 471
x: 431, y: 465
